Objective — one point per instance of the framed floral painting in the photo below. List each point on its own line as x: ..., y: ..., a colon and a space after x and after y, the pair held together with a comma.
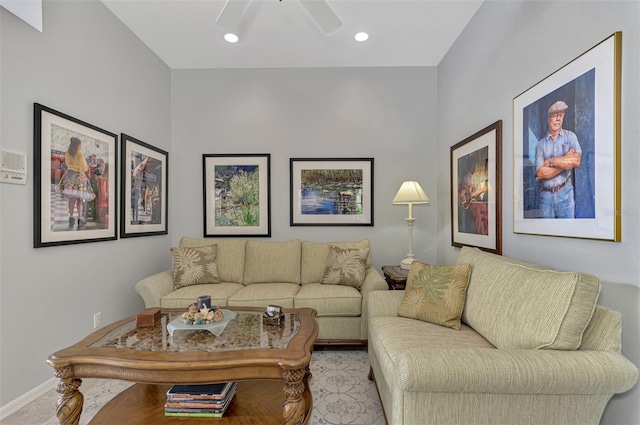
x: 236, y: 194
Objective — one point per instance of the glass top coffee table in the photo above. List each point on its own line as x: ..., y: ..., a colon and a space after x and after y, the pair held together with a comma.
x: 249, y: 350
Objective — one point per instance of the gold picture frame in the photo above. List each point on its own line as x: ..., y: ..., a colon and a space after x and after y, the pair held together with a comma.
x: 567, y: 182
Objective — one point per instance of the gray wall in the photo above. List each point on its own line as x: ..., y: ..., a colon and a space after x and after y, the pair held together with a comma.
x: 384, y: 113
x: 87, y: 64
x: 507, y: 48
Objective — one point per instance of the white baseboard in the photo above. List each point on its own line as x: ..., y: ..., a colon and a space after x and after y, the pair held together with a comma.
x: 26, y: 398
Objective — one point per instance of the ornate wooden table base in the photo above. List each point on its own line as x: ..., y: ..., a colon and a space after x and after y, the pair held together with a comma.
x: 270, y: 364
x: 255, y: 402
x: 69, y: 405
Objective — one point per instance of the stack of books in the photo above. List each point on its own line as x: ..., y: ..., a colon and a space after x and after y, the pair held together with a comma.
x: 206, y: 401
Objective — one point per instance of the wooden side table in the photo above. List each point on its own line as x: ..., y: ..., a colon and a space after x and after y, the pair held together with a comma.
x: 395, y: 276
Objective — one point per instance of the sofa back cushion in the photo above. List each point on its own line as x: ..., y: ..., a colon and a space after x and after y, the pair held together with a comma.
x: 526, y: 306
x: 230, y: 256
x: 314, y: 257
x: 272, y: 262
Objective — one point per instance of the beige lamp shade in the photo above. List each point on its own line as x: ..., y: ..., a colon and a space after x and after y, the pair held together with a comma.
x: 410, y: 193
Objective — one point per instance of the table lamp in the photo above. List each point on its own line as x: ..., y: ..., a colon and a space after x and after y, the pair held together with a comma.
x: 410, y: 193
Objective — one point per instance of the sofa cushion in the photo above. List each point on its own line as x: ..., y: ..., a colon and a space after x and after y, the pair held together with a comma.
x: 181, y: 298
x: 523, y: 306
x: 314, y: 257
x: 329, y: 300
x: 230, y: 256
x: 264, y: 294
x: 389, y: 337
x: 346, y: 266
x: 193, y: 266
x: 435, y: 293
x: 272, y: 262
x: 397, y: 334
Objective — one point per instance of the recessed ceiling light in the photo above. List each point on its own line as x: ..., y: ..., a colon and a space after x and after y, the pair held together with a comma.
x: 231, y: 37
x: 361, y: 36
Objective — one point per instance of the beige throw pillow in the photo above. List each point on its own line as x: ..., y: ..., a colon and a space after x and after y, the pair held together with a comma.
x: 193, y: 266
x: 346, y: 266
x: 435, y: 294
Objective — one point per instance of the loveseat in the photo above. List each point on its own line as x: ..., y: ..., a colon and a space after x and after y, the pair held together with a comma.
x: 256, y: 273
x: 532, y: 348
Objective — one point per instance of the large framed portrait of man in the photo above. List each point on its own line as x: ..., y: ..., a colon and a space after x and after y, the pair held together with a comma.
x: 567, y: 149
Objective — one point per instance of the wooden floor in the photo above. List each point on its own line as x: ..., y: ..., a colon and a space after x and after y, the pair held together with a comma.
x: 255, y: 402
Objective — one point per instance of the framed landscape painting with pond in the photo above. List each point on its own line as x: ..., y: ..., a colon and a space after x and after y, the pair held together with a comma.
x: 331, y: 192
x: 237, y: 194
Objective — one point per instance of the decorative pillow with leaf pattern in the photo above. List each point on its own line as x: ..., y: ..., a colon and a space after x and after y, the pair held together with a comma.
x: 346, y: 266
x: 193, y: 266
x: 436, y: 294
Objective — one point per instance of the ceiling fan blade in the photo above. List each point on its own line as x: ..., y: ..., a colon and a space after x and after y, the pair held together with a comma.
x: 322, y: 14
x: 231, y: 13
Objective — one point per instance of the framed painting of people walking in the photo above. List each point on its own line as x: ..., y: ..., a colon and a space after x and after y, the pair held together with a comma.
x: 75, y: 180
x: 237, y: 194
x: 144, y: 203
x: 566, y: 136
x: 331, y: 191
x: 476, y: 190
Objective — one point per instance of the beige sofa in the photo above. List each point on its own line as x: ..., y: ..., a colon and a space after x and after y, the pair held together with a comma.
x: 258, y: 273
x: 534, y: 348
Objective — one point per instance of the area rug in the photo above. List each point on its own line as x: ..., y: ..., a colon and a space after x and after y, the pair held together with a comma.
x: 342, y: 393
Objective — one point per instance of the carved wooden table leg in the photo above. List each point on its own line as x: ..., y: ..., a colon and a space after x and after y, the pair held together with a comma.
x: 294, y: 406
x: 69, y: 405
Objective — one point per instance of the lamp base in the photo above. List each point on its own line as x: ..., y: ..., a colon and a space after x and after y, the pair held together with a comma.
x: 406, y: 263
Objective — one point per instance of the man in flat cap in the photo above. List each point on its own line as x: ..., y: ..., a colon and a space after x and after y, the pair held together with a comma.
x: 557, y: 154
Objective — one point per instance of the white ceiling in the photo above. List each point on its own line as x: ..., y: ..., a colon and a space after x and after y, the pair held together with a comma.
x: 281, y: 34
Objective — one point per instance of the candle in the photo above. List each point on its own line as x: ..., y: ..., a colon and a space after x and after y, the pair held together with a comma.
x: 204, y: 301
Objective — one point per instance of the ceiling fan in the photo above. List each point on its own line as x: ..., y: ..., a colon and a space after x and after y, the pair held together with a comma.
x: 319, y: 10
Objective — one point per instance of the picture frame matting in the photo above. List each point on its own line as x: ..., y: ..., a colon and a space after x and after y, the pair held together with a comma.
x: 237, y: 197
x: 75, y: 200
x: 584, y: 99
x: 476, y: 190
x: 331, y: 191
x: 144, y: 191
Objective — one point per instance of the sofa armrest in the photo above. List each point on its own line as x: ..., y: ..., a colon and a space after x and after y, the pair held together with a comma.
x: 373, y: 282
x: 514, y: 371
x: 384, y: 304
x: 154, y: 287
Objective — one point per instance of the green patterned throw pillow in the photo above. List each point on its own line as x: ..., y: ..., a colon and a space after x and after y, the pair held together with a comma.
x: 193, y: 266
x: 346, y: 266
x: 436, y: 294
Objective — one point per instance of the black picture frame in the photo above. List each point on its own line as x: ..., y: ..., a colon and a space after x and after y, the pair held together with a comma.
x: 144, y: 203
x: 237, y: 195
x: 93, y: 219
x: 331, y: 191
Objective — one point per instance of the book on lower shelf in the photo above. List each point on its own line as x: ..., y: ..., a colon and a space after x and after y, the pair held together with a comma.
x: 210, y: 400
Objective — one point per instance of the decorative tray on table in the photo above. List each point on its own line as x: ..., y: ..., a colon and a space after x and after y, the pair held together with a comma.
x: 211, y: 319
